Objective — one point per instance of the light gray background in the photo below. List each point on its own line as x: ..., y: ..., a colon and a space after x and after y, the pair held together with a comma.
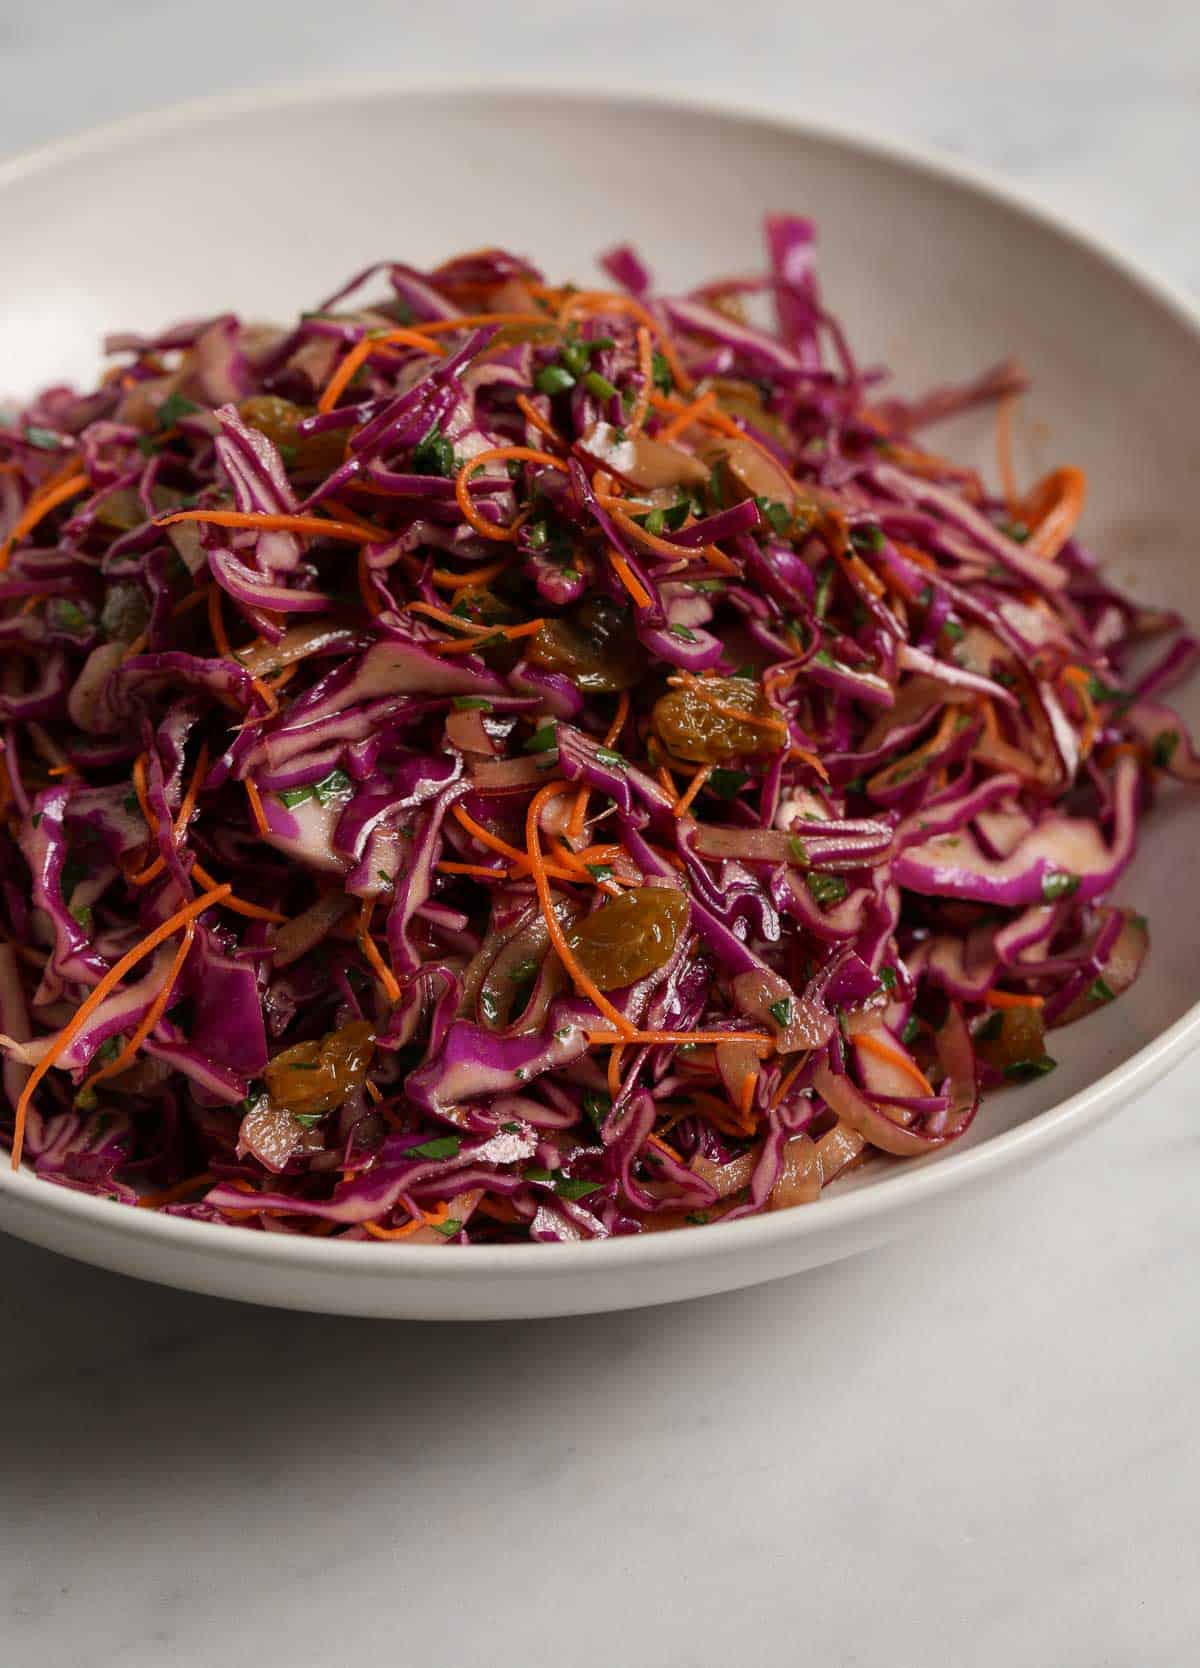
x: 975, y: 1448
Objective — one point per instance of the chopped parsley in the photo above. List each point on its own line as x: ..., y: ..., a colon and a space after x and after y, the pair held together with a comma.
x: 596, y: 1106
x: 472, y: 703
x: 442, y: 1146
x: 912, y: 1027
x: 781, y: 1012
x: 727, y: 784
x: 553, y: 379
x: 542, y: 740
x: 887, y: 978
x: 1022, y: 1071
x: 433, y: 454
x: 776, y: 514
x: 826, y: 889
x: 1058, y: 884
x: 607, y: 756
x: 451, y: 1226
x: 867, y: 538
x: 798, y: 850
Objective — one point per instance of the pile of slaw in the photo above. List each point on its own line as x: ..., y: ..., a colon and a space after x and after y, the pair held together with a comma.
x: 496, y: 761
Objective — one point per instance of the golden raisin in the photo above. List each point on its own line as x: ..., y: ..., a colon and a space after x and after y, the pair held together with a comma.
x: 1011, y: 1037
x: 314, y: 1077
x: 713, y: 720
x: 630, y: 937
x: 280, y: 420
x: 595, y: 646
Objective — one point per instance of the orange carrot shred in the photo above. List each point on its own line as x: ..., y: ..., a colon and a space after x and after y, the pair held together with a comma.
x: 639, y: 593
x: 166, y: 929
x: 682, y: 806
x: 497, y: 454
x: 558, y: 938
x: 1012, y: 999
x: 371, y: 951
x: 894, y: 1056
x: 315, y: 525
x: 239, y: 906
x: 362, y: 351
x: 50, y: 495
x: 256, y: 805
x: 152, y: 1015
x: 641, y: 405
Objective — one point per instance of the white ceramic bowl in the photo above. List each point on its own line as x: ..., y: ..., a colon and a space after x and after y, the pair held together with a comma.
x: 264, y: 202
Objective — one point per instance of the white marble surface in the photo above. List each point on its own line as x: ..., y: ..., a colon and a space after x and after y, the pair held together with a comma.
x: 975, y: 1448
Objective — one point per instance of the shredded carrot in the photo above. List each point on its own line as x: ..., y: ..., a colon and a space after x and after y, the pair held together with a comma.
x: 317, y: 526
x: 677, y: 1038
x: 239, y: 906
x: 1052, y: 510
x: 447, y: 581
x: 342, y: 512
x: 1012, y: 999
x: 746, y: 1094
x: 467, y: 645
x: 216, y: 624
x: 667, y: 782
x: 49, y: 496
x: 895, y: 1056
x: 172, y: 1195
x: 579, y: 809
x: 502, y: 847
x: 810, y: 759
x: 664, y: 1147
x: 789, y: 1077
x: 152, y: 1015
x: 425, y: 1219
x: 715, y: 557
x: 195, y: 599
x: 601, y: 301
x: 166, y: 929
x: 497, y: 454
x: 362, y: 351
x: 371, y: 950
x: 256, y: 805
x: 639, y: 593
x: 683, y: 805
x: 1080, y: 680
x: 541, y: 881
x: 685, y: 418
x: 534, y: 417
x: 641, y: 405
x: 477, y: 869
x: 614, y: 1070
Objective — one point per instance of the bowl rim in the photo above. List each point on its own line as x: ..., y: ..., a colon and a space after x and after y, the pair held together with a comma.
x: 839, y: 1214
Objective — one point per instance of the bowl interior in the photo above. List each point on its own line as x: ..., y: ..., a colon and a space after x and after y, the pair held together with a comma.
x: 263, y: 206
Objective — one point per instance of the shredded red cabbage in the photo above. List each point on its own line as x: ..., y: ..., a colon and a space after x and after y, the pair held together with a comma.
x: 494, y: 762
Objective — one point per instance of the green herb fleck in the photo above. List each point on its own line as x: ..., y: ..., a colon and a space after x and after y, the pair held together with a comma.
x: 333, y: 786
x: 654, y: 522
x: 727, y: 784
x: 574, y: 1187
x: 1021, y: 1071
x: 781, y: 1012
x: 607, y: 756
x: 1100, y: 991
x: 867, y: 538
x: 1015, y: 530
x: 1058, y: 884
x: 683, y: 633
x: 292, y: 797
x: 553, y: 379
x: 599, y: 871
x: 83, y: 914
x: 442, y: 1146
x: 541, y: 741
x: 952, y: 630
x: 912, y: 1027
x: 798, y: 850
x: 777, y: 514
x: 172, y: 409
x: 451, y: 1226
x: 536, y: 1173
x: 697, y: 1218
x: 472, y: 703
x: 308, y: 1120
x: 433, y: 454
x: 887, y: 978
x: 596, y: 1106
x: 44, y: 439
x: 599, y: 385
x: 1163, y: 747
x: 661, y: 373
x: 826, y: 889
